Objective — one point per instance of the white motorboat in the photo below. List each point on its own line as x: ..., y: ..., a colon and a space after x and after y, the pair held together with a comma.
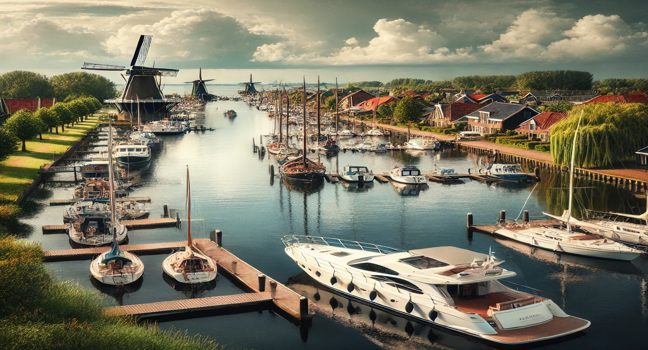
x: 132, y: 153
x: 101, y: 207
x: 408, y: 175
x: 190, y: 266
x: 162, y: 128
x: 354, y: 173
x: 447, y: 286
x: 422, y: 144
x: 147, y: 137
x: 374, y: 132
x: 510, y: 172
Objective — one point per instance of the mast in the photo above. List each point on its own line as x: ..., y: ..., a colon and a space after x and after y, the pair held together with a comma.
x: 305, y: 121
x: 376, y: 107
x: 189, y: 241
x: 280, y: 112
x: 111, y: 178
x: 318, y: 109
x: 287, y: 117
x: 571, y: 174
x: 336, y: 109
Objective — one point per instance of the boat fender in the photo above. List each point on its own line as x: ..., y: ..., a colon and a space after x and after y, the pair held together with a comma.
x: 409, y: 328
x: 333, y: 280
x: 433, y: 315
x: 373, y: 316
x: 372, y: 295
x: 409, y: 307
x: 317, y: 296
x: 351, y: 287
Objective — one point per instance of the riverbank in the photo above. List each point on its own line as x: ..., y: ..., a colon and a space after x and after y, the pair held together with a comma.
x: 21, y: 168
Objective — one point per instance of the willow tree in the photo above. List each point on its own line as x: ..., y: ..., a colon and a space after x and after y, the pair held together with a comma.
x: 609, y: 133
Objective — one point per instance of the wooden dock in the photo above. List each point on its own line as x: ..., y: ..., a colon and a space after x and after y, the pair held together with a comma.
x: 50, y: 229
x: 121, y: 199
x: 87, y: 253
x: 334, y: 178
x: 381, y: 178
x: 150, y: 223
x: 166, y: 308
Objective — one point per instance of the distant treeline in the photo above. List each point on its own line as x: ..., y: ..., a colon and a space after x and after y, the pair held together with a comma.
x: 65, y: 87
x: 534, y: 81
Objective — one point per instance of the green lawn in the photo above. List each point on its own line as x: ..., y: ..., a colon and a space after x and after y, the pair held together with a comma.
x: 21, y: 168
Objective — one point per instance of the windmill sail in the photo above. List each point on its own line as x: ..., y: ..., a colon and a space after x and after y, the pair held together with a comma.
x: 143, y: 45
x: 100, y: 66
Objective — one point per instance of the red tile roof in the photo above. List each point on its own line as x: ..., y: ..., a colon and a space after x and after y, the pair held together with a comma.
x: 31, y: 104
x: 409, y: 93
x: 479, y: 96
x: 369, y: 105
x: 546, y: 120
x: 638, y: 98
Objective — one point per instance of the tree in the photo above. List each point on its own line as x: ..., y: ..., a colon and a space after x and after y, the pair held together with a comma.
x: 399, y: 89
x: 408, y: 109
x: 8, y: 143
x: 92, y: 104
x: 329, y: 103
x: 561, y: 107
x: 351, y: 88
x: 23, y: 125
x: 78, y: 109
x: 63, y: 113
x: 609, y: 132
x: 386, y: 109
x: 554, y: 80
x: 70, y: 86
x: 485, y: 83
x: 434, y: 98
x: 48, y: 117
x: 24, y: 84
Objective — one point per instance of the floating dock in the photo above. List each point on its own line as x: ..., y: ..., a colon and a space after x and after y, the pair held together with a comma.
x: 381, y: 178
x: 167, y: 308
x: 130, y: 224
x: 87, y: 253
x: 121, y: 199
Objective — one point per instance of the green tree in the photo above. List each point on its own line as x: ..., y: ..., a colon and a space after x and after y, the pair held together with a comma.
x: 620, y: 86
x: 78, y: 109
x: 399, y: 89
x: 329, y: 103
x: 63, y: 113
x: 561, y: 106
x: 24, y: 84
x: 351, y: 88
x: 23, y: 125
x: 70, y: 86
x: 365, y: 84
x: 92, y: 104
x: 434, y: 98
x: 554, y: 80
x: 386, y: 109
x: 408, y: 109
x: 609, y: 132
x: 48, y: 117
x: 487, y: 84
x: 8, y: 143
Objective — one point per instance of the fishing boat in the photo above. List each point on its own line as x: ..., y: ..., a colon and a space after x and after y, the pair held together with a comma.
x: 356, y: 173
x: 190, y: 266
x: 132, y: 153
x: 448, y: 287
x: 407, y: 175
x: 302, y: 168
x: 330, y: 146
x: 565, y: 240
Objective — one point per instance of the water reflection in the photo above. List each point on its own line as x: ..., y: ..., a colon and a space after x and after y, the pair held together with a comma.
x: 117, y: 292
x: 357, y: 186
x: 190, y: 290
x: 307, y: 187
x: 406, y: 190
x: 379, y: 326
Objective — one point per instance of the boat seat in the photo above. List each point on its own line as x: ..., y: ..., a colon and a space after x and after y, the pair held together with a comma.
x: 512, y: 304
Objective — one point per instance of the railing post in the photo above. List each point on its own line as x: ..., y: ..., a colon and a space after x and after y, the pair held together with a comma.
x: 262, y: 281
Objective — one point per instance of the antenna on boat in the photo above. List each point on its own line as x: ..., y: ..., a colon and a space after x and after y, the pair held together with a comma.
x: 189, y: 242
x: 571, y: 175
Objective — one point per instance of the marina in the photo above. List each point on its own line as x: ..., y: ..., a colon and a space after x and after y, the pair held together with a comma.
x: 256, y: 210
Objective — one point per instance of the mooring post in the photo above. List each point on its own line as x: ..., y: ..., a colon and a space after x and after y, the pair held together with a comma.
x: 178, y: 222
x: 254, y: 149
x: 75, y: 174
x: 271, y: 170
x: 219, y: 238
x: 525, y: 216
x: 536, y: 171
x: 469, y: 220
x: 273, y: 288
x: 303, y: 307
x: 165, y: 210
x: 502, y: 217
x: 262, y: 281
x: 234, y: 267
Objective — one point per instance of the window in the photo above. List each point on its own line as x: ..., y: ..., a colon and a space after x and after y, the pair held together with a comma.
x: 399, y: 284
x: 423, y: 262
x: 532, y: 125
x: 374, y: 268
x: 483, y: 117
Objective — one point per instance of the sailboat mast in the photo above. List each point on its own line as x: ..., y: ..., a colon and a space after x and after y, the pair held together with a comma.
x: 189, y: 242
x: 571, y: 174
x: 305, y: 121
x: 280, y: 113
x: 318, y: 109
x: 336, y: 108
x: 111, y: 179
x: 376, y: 107
x: 287, y: 117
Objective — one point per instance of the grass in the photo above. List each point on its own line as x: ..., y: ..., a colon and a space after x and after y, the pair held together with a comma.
x: 21, y: 168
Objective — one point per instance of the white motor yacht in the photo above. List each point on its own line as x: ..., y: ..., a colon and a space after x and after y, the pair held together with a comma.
x: 354, y: 173
x: 408, y: 175
x: 422, y: 144
x: 446, y: 286
x: 132, y: 153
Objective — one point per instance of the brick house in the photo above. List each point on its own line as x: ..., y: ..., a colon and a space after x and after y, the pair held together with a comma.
x: 350, y: 100
x: 449, y: 113
x: 539, y: 126
x: 499, y: 117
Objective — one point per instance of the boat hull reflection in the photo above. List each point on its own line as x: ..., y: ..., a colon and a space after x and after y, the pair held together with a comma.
x: 190, y: 290
x: 117, y: 291
x: 407, y: 190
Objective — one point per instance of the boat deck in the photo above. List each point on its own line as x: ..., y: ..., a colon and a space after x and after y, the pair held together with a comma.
x: 554, y: 328
x: 480, y: 305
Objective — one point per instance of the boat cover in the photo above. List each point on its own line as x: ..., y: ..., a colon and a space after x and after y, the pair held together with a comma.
x: 450, y: 255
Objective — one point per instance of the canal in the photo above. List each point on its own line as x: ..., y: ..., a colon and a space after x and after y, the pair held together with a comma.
x: 232, y: 191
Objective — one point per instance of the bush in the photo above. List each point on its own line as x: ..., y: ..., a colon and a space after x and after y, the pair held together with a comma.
x: 543, y: 147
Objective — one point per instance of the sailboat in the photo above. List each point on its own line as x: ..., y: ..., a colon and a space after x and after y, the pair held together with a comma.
x: 566, y: 240
x: 302, y: 168
x: 189, y: 266
x: 115, y: 267
x: 375, y: 131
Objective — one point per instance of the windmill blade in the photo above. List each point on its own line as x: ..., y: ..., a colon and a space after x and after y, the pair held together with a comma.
x: 208, y: 80
x: 139, y: 57
x: 191, y: 82
x: 199, y: 73
x: 167, y: 72
x: 100, y: 66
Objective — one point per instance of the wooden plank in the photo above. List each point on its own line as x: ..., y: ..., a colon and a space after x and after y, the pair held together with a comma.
x: 164, y: 308
x: 381, y: 178
x: 86, y: 253
x: 149, y: 223
x: 50, y: 229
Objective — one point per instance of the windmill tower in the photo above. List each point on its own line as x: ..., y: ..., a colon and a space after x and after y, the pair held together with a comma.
x: 200, y: 89
x: 143, y: 92
x: 249, y: 87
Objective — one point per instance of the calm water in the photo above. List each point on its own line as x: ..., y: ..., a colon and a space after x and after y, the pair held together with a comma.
x: 232, y: 191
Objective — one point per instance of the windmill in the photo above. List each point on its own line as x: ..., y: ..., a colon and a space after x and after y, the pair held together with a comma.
x: 249, y: 87
x: 200, y: 89
x: 143, y: 87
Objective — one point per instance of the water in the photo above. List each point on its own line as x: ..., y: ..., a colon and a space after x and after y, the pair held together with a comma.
x: 232, y: 191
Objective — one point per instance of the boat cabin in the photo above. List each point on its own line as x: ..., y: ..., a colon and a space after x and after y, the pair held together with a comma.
x: 409, y: 171
x: 354, y: 170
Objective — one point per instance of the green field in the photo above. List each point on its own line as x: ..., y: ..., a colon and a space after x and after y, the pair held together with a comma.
x: 21, y: 168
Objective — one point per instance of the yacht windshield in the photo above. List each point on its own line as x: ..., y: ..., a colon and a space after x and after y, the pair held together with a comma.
x: 423, y: 262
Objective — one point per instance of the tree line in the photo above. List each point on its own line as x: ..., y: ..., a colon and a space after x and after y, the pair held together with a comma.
x: 65, y: 87
x: 24, y: 124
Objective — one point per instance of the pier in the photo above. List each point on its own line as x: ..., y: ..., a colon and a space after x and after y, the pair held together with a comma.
x: 87, y: 253
x: 120, y: 199
x: 139, y: 224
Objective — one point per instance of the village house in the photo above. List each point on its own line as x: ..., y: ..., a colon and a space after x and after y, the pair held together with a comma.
x: 369, y: 106
x: 498, y: 117
x: 539, y: 127
x: 347, y: 102
x: 449, y: 113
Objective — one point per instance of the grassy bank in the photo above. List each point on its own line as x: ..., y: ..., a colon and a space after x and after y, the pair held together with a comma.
x: 21, y: 168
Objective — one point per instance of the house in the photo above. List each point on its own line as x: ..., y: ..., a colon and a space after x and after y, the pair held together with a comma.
x: 353, y: 99
x: 634, y: 98
x: 499, y: 117
x: 641, y: 157
x: 536, y: 98
x: 407, y: 93
x: 372, y: 104
x: 13, y: 105
x: 488, y: 98
x: 508, y: 92
x: 449, y: 113
x: 540, y: 125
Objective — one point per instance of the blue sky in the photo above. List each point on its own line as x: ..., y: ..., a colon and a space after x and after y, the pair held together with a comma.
x: 351, y: 39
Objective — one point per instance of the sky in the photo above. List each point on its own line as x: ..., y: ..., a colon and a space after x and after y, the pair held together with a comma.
x: 353, y: 40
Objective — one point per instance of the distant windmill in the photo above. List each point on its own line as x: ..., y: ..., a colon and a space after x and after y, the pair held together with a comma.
x: 249, y: 87
x: 143, y: 86
x: 199, y: 88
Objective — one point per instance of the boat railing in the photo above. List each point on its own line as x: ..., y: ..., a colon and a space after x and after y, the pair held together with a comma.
x: 339, y: 243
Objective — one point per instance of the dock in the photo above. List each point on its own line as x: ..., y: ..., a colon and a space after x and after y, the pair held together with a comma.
x: 381, y: 178
x: 121, y: 199
x: 502, y: 218
x: 130, y: 224
x: 333, y: 178
x: 167, y: 308
x: 87, y: 253
x: 50, y: 229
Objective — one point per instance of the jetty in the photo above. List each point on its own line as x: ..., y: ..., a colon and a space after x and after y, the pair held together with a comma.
x: 120, y: 199
x: 138, y: 224
x: 88, y: 253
